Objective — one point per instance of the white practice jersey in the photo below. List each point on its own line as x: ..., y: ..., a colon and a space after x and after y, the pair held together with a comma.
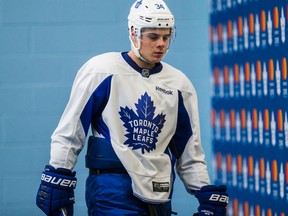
x: 140, y: 112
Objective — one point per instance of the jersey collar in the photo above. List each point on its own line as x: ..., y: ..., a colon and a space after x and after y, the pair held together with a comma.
x: 145, y: 72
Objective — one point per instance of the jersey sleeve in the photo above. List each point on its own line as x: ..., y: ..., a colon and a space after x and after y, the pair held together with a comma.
x: 88, y: 95
x: 191, y: 165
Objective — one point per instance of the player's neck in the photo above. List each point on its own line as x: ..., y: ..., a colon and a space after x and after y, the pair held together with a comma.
x: 140, y: 62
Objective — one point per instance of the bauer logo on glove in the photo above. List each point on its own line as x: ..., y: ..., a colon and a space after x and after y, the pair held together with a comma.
x: 219, y: 198
x: 58, y: 181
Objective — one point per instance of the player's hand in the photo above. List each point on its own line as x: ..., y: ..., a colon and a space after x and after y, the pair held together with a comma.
x: 213, y: 200
x: 55, y: 195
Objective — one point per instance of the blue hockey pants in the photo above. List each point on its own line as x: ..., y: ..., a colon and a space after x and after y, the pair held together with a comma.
x: 112, y: 195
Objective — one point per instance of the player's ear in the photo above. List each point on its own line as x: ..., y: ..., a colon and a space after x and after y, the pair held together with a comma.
x: 132, y: 32
x: 133, y: 36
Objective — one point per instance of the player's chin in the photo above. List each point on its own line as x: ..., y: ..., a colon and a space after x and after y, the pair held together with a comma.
x: 157, y: 57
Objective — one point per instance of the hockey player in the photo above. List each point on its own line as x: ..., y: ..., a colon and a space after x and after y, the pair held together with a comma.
x: 144, y: 118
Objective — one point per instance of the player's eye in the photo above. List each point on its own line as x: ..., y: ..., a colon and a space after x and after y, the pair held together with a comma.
x: 155, y: 37
x: 167, y: 37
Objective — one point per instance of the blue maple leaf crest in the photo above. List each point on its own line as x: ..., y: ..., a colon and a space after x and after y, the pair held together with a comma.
x: 142, y: 127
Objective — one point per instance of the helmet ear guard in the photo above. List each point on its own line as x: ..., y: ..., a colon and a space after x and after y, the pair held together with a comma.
x: 133, y: 33
x: 149, y: 14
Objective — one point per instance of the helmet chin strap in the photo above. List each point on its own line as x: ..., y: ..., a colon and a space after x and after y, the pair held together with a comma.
x: 137, y: 50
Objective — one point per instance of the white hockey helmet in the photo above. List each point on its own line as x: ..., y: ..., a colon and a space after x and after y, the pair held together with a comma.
x: 149, y: 14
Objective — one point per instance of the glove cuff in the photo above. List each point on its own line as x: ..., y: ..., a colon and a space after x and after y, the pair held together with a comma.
x: 61, y: 171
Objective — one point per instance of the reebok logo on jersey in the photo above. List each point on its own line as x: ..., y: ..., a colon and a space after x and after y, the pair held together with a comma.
x: 168, y: 92
x: 142, y: 127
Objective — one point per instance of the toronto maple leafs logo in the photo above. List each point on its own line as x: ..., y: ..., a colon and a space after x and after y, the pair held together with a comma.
x: 142, y: 127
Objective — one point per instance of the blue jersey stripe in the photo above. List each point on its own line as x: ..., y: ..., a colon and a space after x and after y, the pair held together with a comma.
x: 183, y: 130
x: 93, y: 109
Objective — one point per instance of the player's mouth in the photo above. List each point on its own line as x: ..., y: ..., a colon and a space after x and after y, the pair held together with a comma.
x: 158, y: 54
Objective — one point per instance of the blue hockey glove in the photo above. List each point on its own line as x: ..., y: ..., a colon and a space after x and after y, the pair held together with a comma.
x: 55, y: 195
x: 213, y: 200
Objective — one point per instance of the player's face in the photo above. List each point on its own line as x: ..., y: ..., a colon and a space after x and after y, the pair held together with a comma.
x: 154, y: 44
